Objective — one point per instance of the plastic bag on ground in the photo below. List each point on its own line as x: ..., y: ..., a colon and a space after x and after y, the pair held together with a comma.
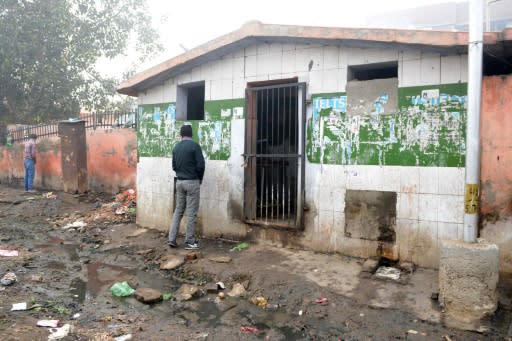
x: 122, y: 289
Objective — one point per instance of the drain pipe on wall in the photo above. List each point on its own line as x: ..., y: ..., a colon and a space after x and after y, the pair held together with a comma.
x: 475, y: 56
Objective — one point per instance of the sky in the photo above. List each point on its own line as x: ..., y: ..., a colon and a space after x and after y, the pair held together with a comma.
x: 185, y: 24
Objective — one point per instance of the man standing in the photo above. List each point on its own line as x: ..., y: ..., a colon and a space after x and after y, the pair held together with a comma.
x: 188, y: 163
x: 30, y: 162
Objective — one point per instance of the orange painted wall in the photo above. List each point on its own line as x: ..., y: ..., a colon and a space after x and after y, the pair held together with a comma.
x: 111, y: 161
x: 496, y: 142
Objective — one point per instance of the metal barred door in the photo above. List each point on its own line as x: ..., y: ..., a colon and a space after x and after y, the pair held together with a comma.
x: 274, y: 155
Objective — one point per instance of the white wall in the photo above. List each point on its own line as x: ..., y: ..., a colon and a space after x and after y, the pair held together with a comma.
x: 429, y: 200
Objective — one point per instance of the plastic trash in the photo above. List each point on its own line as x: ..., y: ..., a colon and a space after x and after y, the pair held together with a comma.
x: 9, y: 253
x: 166, y: 297
x: 240, y: 247
x: 8, y: 279
x: 19, y: 306
x: 122, y: 289
x: 60, y: 333
x: 321, y: 300
x: 249, y: 329
x: 48, y: 323
x: 77, y: 223
x: 123, y: 337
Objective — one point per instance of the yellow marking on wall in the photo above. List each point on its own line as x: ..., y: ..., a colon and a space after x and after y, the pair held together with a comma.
x: 471, y: 202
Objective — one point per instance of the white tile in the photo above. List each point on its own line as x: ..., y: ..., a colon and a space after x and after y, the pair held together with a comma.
x: 302, y: 60
x: 239, y: 53
x: 325, y: 224
x: 288, y: 62
x: 390, y: 178
x: 409, y: 179
x: 408, y: 206
x: 450, y: 69
x: 429, y: 180
x: 340, y: 176
x: 448, y: 231
x: 372, y: 55
x: 406, y: 233
x: 339, y: 227
x: 195, y: 74
x: 343, y: 57
x: 451, y: 181
x: 326, y: 198
x: 410, y: 54
x: 373, y: 178
x: 339, y: 200
x: 342, y: 80
x: 227, y: 89
x: 356, y: 56
x: 315, y: 82
x: 411, y: 73
x: 317, y: 56
x: 238, y: 68
x: 327, y: 177
x: 460, y: 231
x: 251, y: 50
x: 330, y: 80
x: 226, y: 68
x: 428, y: 207
x: 251, y: 69
x: 239, y: 88
x: 276, y: 48
x: 215, y: 90
x: 288, y: 47
x: 263, y: 49
x: 331, y: 57
x: 268, y: 64
x: 430, y: 69
x: 451, y: 208
x: 426, y: 251
x: 207, y: 90
x: 206, y: 71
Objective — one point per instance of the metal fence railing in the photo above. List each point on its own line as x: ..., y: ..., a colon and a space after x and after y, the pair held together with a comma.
x: 99, y: 120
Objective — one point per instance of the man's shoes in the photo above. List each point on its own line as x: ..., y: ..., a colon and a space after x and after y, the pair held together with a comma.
x: 172, y: 244
x: 193, y: 246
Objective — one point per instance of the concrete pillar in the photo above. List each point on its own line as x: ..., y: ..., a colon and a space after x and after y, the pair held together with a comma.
x: 74, y: 156
x: 468, y: 277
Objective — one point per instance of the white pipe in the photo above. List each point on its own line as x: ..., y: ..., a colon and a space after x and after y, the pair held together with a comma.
x: 475, y: 50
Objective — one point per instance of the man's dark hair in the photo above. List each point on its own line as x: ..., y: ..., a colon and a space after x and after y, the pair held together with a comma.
x: 186, y: 131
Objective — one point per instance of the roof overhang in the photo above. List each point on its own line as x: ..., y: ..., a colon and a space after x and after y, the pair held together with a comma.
x: 253, y: 32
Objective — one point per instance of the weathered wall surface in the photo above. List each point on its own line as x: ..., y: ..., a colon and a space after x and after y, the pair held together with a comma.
x: 111, y: 161
x: 48, y: 170
x: 496, y: 165
x: 416, y: 151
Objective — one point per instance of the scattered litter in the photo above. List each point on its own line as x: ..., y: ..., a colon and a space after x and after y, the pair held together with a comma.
x: 60, y: 333
x: 434, y: 296
x: 193, y: 255
x: 447, y: 338
x: 76, y: 224
x: 300, y: 312
x: 221, y: 295
x: 9, y: 253
x: 249, y: 329
x: 122, y: 289
x: 123, y: 337
x: 321, y: 300
x: 260, y: 301
x: 77, y: 315
x: 8, y: 279
x: 50, y: 195
x: 240, y: 247
x: 237, y: 291
x: 121, y: 210
x: 386, y: 272
x: 412, y: 331
x: 220, y: 285
x: 19, y: 306
x: 48, y: 323
x: 166, y: 297
x: 361, y: 314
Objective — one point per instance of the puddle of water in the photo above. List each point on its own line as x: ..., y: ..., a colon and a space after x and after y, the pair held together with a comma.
x: 57, y: 244
x: 101, y: 274
x: 78, y: 288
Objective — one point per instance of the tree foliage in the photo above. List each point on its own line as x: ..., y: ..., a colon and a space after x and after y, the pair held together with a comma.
x: 49, y: 49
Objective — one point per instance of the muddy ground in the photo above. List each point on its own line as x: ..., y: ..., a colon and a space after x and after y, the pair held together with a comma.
x: 63, y: 272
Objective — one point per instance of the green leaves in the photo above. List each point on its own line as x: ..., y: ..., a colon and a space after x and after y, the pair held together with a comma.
x: 49, y: 49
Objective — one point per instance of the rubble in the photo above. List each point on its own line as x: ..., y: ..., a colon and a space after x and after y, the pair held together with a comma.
x: 170, y: 262
x: 148, y: 295
x: 186, y: 292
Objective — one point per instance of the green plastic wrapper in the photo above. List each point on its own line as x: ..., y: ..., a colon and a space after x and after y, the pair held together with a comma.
x: 122, y: 289
x: 240, y: 247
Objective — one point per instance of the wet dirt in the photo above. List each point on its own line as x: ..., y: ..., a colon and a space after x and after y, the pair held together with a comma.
x: 64, y: 272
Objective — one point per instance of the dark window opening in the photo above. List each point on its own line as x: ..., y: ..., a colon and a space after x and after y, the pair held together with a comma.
x: 190, y: 101
x: 373, y: 71
x: 494, y: 65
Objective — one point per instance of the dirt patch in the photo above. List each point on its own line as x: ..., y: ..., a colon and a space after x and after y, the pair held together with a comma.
x: 66, y: 273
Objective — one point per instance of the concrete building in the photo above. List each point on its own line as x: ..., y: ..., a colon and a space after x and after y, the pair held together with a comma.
x: 331, y: 139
